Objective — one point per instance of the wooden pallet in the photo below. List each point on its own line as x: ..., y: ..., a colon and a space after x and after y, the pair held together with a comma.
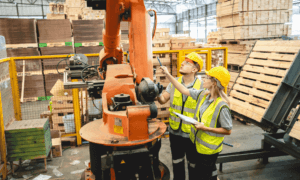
x: 86, y: 44
x: 57, y: 115
x: 56, y: 16
x: 237, y: 58
x: 261, y: 76
x: 16, y: 46
x: 234, y: 67
x: 62, y: 102
x: 237, y: 118
x: 295, y: 132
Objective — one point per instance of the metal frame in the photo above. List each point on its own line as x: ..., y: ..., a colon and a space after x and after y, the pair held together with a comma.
x: 3, y: 167
x: 16, y: 97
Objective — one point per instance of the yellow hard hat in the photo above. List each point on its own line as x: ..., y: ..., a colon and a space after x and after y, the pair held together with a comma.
x: 221, y: 74
x: 196, y: 58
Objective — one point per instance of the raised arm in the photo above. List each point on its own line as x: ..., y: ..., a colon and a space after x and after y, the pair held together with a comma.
x: 177, y: 85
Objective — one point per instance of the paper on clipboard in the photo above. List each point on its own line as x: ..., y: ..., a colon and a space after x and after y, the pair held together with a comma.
x: 185, y: 118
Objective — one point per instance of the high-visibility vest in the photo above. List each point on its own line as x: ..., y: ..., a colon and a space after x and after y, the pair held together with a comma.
x: 186, y: 108
x: 208, y: 142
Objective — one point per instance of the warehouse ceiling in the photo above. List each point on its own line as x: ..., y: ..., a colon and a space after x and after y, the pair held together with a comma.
x: 169, y: 7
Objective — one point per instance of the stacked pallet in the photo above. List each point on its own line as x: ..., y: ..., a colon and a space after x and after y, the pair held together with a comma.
x: 242, y: 22
x: 165, y: 61
x: 30, y: 139
x: 163, y: 112
x: 213, y: 39
x: 73, y: 9
x: 217, y: 58
x: 179, y: 43
x: 57, y: 11
x: 61, y: 106
x: 161, y: 41
x: 238, y: 52
x: 252, y: 19
x: 261, y: 76
x: 89, y: 14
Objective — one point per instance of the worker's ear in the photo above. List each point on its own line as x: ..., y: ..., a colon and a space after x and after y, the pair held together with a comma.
x: 194, y: 70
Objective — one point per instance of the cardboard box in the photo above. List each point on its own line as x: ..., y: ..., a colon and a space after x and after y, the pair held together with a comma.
x: 56, y: 147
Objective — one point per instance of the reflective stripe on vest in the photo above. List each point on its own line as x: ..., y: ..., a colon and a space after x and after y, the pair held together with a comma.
x: 207, y: 142
x: 189, y: 110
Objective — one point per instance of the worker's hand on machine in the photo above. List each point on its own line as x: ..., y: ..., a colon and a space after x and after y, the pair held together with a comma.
x: 164, y: 70
x: 200, y: 126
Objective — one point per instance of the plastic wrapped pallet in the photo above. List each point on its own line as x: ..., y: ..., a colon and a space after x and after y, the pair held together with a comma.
x: 69, y: 123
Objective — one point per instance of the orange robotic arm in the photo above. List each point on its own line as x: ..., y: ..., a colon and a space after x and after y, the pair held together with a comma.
x: 140, y: 37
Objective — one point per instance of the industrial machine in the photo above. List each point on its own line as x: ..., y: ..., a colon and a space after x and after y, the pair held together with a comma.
x: 278, y: 121
x: 125, y: 143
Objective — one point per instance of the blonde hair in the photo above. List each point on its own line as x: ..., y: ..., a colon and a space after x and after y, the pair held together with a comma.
x: 219, y: 93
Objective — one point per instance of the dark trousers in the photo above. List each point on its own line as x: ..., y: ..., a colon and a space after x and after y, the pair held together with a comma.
x: 201, y: 166
x: 178, y: 149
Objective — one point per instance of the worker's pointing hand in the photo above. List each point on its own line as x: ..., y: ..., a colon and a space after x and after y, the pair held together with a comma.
x: 164, y: 70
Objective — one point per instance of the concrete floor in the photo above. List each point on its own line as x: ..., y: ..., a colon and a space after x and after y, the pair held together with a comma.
x: 243, y: 137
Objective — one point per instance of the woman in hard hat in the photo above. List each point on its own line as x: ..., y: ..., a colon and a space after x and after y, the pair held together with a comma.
x: 214, y: 122
x: 179, y: 130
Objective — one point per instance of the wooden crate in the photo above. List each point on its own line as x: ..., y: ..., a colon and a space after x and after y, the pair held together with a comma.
x: 295, y: 132
x: 261, y: 76
x: 28, y: 139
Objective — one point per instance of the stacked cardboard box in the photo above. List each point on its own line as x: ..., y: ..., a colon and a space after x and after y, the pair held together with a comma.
x: 21, y: 40
x: 55, y: 38
x: 88, y: 37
